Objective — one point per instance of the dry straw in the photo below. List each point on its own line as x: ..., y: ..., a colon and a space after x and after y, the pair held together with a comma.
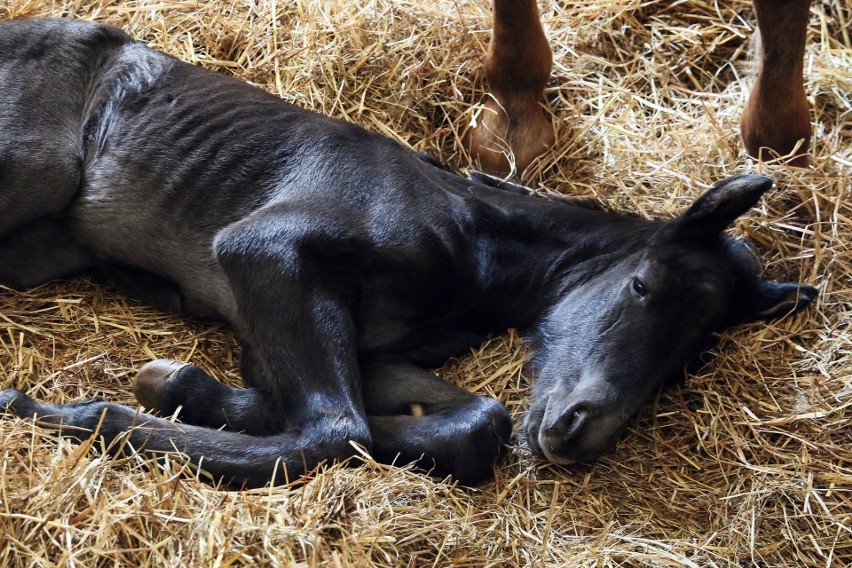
x: 747, y: 463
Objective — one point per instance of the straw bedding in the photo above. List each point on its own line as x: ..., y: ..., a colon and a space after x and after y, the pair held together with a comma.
x: 749, y: 462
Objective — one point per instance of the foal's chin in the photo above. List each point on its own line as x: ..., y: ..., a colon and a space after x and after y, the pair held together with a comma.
x: 569, y: 453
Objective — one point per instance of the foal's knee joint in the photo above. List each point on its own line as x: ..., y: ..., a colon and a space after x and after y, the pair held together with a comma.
x: 341, y: 443
x: 496, y: 423
x: 485, y: 442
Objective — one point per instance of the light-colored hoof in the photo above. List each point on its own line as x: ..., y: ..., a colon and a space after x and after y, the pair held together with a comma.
x: 151, y: 380
x: 505, y: 140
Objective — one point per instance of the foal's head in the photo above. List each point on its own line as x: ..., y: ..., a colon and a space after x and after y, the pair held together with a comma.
x: 632, y: 320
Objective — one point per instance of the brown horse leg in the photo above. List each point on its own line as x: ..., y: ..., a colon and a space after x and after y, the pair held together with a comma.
x: 517, y: 67
x: 777, y: 114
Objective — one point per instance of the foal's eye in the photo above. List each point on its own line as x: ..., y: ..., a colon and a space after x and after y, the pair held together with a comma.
x: 638, y: 288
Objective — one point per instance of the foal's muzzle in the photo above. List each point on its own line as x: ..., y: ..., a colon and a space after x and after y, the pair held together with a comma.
x: 573, y: 428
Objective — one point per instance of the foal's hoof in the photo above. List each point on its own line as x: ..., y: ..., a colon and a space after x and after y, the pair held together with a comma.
x: 149, y: 387
x: 76, y: 420
x: 17, y: 403
x: 166, y: 386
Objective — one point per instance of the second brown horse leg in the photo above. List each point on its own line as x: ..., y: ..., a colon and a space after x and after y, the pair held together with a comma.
x: 512, y: 122
x: 777, y: 115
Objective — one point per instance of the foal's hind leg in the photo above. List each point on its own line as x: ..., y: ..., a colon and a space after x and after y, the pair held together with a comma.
x: 39, y: 168
x: 43, y: 80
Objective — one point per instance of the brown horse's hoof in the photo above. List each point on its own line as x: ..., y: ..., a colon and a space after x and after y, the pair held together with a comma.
x: 776, y: 121
x: 509, y: 135
x: 773, y: 124
x: 150, y: 384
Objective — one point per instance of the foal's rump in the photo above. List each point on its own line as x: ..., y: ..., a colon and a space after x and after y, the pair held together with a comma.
x: 47, y: 71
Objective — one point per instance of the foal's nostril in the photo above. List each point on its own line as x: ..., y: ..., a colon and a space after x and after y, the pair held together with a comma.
x: 578, y: 420
x: 571, y: 422
x: 557, y: 439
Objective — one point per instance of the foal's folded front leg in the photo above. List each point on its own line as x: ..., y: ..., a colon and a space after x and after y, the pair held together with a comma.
x: 416, y: 416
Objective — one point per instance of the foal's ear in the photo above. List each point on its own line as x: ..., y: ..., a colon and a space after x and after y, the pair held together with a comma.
x: 766, y: 300
x: 718, y: 207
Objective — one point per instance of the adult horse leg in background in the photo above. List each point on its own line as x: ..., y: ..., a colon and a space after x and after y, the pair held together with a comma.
x: 512, y: 130
x: 777, y: 115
